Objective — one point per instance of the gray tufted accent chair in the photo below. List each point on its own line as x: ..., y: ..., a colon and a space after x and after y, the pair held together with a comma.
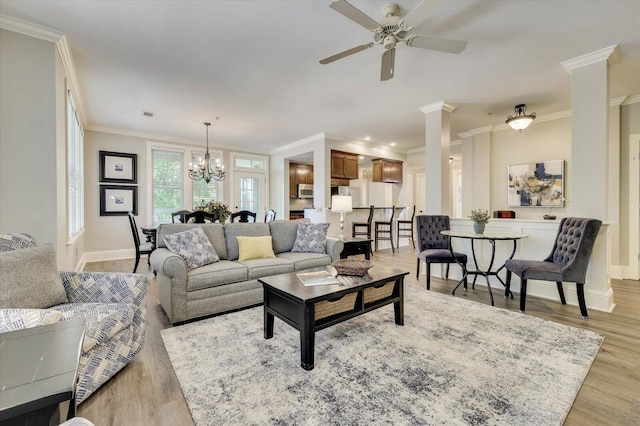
x: 568, y: 260
x: 433, y: 247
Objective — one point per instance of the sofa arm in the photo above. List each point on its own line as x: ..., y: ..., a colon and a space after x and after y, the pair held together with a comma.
x: 166, y: 262
x: 105, y: 287
x: 334, y: 248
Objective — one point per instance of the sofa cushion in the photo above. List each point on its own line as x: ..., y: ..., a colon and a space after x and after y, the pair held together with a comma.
x: 258, y: 268
x: 223, y: 272
x: 103, y: 320
x: 254, y: 248
x: 306, y: 260
x: 233, y: 230
x: 311, y: 238
x: 193, y: 246
x: 284, y: 234
x: 17, y: 319
x: 29, y: 278
x: 10, y: 242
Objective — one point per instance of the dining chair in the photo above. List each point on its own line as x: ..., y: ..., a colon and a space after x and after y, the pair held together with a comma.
x: 244, y: 216
x: 383, y: 230
x: 141, y: 248
x: 363, y: 228
x: 180, y: 214
x: 405, y: 229
x: 568, y: 260
x: 269, y: 216
x: 200, y: 216
x: 433, y: 247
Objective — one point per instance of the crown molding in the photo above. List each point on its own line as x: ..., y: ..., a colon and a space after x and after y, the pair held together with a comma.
x: 28, y: 28
x: 610, y: 53
x: 313, y: 138
x: 481, y: 130
x: 464, y: 135
x: 438, y: 106
x: 617, y: 101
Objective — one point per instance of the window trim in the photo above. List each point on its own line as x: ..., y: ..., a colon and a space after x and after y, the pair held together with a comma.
x: 79, y: 228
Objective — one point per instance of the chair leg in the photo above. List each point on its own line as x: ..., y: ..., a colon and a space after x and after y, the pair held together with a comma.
x: 464, y: 274
x: 581, y: 302
x: 428, y: 276
x: 507, y: 288
x: 561, y: 292
x: 137, y: 261
x: 412, y: 242
x: 418, y: 269
x: 523, y: 294
x: 446, y: 274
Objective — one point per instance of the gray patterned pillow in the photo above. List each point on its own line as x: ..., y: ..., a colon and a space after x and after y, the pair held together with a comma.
x: 311, y: 238
x: 193, y: 246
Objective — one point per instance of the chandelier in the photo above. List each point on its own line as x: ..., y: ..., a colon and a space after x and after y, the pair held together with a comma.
x: 521, y: 120
x: 203, y: 170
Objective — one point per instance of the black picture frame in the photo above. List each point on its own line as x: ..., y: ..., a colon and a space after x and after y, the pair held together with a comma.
x: 118, y: 167
x: 118, y: 200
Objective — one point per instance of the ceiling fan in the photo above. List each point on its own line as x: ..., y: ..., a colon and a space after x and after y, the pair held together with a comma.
x: 391, y: 29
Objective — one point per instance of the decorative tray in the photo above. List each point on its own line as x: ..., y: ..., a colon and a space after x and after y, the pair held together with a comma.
x: 352, y: 267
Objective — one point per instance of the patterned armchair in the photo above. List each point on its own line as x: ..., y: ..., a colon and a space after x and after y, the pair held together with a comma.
x: 113, y: 305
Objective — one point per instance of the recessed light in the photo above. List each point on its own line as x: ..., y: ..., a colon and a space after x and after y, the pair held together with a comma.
x: 362, y: 157
x: 148, y: 114
x: 392, y: 144
x: 367, y: 138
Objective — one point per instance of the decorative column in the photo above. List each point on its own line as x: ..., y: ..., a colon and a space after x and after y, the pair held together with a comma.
x: 437, y: 140
x: 589, y: 168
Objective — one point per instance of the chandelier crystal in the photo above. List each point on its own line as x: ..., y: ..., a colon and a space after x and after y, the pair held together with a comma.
x: 521, y: 120
x: 204, y: 171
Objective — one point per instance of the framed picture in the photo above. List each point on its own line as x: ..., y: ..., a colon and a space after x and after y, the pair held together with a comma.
x: 536, y: 184
x: 118, y: 167
x: 118, y: 200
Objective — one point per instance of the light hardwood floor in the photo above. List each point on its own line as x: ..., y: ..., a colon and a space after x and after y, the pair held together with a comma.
x: 146, y: 392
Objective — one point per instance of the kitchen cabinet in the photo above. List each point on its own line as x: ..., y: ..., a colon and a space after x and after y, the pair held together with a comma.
x: 299, y: 174
x: 344, y: 165
x: 385, y: 170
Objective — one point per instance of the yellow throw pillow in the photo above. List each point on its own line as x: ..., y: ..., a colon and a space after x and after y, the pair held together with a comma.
x: 255, y: 248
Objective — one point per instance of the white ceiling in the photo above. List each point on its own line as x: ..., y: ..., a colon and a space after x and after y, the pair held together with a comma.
x: 255, y: 65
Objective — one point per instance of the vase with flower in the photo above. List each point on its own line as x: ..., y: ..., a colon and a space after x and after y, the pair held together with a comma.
x: 480, y: 218
x: 220, y: 210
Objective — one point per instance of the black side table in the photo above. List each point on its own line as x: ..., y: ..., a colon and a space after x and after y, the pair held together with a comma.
x: 39, y: 371
x: 353, y: 246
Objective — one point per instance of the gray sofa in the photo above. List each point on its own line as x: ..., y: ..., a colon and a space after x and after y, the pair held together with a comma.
x: 229, y: 284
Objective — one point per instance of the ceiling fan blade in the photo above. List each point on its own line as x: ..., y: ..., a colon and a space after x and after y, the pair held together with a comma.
x: 434, y: 43
x: 346, y: 53
x: 388, y: 64
x: 421, y: 12
x: 351, y: 12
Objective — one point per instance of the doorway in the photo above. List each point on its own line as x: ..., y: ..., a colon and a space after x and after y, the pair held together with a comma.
x: 250, y: 193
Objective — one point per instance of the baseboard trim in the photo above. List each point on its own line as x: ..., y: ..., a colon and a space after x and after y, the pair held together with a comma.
x: 101, y: 256
x: 617, y: 271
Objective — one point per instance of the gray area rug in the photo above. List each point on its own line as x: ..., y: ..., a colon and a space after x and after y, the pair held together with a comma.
x: 453, y: 362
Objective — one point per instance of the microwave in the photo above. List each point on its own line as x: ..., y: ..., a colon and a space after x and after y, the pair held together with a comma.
x: 305, y: 191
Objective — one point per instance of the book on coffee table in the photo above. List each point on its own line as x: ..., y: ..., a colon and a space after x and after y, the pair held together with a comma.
x: 317, y: 278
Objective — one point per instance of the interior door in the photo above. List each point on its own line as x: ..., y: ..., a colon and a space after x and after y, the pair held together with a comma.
x: 249, y: 193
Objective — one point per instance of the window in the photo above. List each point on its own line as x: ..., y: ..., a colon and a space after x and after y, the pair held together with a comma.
x: 171, y: 187
x: 201, y: 191
x: 75, y: 171
x: 167, y: 184
x: 249, y: 163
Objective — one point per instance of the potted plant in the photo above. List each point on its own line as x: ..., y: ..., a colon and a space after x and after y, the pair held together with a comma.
x: 480, y: 218
x: 217, y: 208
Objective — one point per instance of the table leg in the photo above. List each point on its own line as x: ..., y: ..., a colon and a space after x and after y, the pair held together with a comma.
x: 268, y: 317
x: 486, y: 276
x: 398, y: 307
x: 465, y: 273
x: 507, y: 286
x: 475, y: 262
x: 307, y: 337
x: 367, y: 255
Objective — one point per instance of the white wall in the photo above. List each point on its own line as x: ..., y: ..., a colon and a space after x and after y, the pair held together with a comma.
x: 28, y: 137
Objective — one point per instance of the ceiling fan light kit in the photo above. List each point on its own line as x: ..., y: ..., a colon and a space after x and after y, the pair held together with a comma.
x: 391, y: 30
x: 521, y: 120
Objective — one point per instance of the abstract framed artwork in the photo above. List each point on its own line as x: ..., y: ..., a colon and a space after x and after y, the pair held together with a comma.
x: 118, y: 200
x: 536, y: 184
x: 118, y: 167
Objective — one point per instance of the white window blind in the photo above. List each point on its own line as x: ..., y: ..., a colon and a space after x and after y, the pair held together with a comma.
x: 167, y: 184
x: 75, y: 171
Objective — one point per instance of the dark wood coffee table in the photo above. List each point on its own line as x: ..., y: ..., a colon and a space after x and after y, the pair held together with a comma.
x: 312, y: 308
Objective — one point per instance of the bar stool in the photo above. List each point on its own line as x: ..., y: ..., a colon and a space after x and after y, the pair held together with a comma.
x: 405, y: 229
x: 384, y: 230
x: 366, y: 225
